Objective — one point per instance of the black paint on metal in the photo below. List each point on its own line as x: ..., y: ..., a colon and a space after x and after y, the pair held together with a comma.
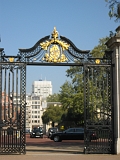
x: 13, y: 96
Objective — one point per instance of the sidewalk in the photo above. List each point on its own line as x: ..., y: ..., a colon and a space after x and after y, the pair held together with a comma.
x: 47, y: 153
x: 58, y: 153
x: 58, y: 156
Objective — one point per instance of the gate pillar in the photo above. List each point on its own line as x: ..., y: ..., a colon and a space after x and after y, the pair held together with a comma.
x: 114, y: 44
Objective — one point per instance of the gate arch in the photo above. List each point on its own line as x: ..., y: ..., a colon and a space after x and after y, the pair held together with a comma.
x: 53, y: 50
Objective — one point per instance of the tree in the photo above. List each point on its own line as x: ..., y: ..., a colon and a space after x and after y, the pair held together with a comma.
x: 100, y: 49
x: 71, y: 97
x: 114, y: 9
x: 98, y: 82
x: 52, y: 113
x: 72, y: 94
x: 53, y: 98
x: 65, y: 95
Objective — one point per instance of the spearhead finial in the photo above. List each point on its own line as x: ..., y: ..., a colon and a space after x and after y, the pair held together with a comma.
x: 55, y: 33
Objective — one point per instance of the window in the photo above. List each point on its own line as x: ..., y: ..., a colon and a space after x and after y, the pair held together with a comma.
x: 33, y: 107
x: 34, y: 116
x: 71, y: 130
x: 79, y: 130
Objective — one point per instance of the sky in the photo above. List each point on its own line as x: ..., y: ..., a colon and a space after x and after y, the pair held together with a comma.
x: 24, y: 22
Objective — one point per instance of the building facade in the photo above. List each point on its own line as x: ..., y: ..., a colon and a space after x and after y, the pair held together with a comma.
x: 42, y: 88
x: 33, y: 112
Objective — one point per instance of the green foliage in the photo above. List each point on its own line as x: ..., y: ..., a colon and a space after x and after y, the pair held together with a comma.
x: 71, y: 97
x: 72, y: 93
x: 53, y: 98
x: 99, y: 50
x: 114, y: 9
x: 52, y: 113
x: 66, y: 94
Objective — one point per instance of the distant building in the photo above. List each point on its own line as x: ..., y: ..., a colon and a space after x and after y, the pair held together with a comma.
x: 42, y: 88
x: 33, y: 112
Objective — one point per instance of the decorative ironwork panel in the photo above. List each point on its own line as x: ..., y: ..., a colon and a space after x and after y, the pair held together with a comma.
x: 54, y: 49
x: 12, y: 106
x: 98, y: 109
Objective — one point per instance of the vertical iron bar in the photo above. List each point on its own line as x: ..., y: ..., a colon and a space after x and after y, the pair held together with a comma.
x: 5, y: 95
x: 17, y: 118
x: 0, y: 92
x: 12, y: 93
x: 84, y: 68
x: 0, y: 102
x: 17, y: 96
x: 9, y: 95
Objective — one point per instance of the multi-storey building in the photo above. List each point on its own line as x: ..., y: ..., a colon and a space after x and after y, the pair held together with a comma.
x: 33, y: 112
x: 42, y: 88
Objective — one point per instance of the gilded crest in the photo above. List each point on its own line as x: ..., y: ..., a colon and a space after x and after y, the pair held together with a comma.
x: 54, y: 48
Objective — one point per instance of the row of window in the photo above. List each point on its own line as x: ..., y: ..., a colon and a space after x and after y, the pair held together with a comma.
x: 35, y: 102
x: 36, y: 98
x: 35, y: 107
x: 35, y: 121
x: 35, y: 116
x: 35, y: 112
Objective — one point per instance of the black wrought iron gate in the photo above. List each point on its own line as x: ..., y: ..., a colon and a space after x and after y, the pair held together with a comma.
x: 12, y: 106
x: 56, y: 51
x: 98, y: 109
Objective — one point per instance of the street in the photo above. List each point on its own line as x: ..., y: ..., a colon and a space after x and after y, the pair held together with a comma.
x: 45, y: 144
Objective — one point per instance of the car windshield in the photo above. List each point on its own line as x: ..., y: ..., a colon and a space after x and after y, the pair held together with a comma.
x: 53, y: 129
x: 37, y: 130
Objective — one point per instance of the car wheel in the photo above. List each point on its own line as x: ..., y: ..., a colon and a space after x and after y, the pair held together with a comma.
x: 56, y: 139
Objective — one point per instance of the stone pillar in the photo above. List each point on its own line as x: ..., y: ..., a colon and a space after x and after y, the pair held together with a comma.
x: 114, y: 45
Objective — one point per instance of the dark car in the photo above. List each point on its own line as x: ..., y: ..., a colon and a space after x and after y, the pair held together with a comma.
x: 51, y: 131
x: 36, y: 132
x: 71, y: 134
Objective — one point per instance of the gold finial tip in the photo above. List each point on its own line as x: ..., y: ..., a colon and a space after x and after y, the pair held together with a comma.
x: 55, y: 33
x: 54, y: 28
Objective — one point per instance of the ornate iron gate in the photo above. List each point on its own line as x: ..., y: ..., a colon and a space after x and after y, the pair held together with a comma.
x: 12, y: 106
x: 98, y: 109
x: 56, y: 51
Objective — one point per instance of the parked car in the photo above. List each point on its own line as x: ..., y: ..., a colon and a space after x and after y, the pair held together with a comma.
x: 51, y: 131
x: 36, y: 132
x: 71, y: 134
